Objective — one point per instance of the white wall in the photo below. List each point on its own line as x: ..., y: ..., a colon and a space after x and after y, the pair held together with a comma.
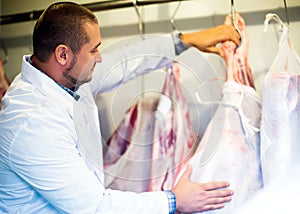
x: 119, y: 24
x: 192, y: 15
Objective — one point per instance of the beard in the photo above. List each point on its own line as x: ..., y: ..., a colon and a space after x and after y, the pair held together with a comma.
x: 74, y: 80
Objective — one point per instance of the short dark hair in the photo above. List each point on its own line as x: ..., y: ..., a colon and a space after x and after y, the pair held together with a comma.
x: 61, y: 23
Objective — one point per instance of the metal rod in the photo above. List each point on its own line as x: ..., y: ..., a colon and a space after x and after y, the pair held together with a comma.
x: 172, y: 20
x: 286, y: 13
x: 97, y: 6
x: 233, y: 15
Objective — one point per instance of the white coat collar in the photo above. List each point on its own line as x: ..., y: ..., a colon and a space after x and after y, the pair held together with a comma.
x: 44, y: 84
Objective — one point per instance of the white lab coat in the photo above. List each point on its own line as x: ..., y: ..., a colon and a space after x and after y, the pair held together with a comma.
x: 51, y: 151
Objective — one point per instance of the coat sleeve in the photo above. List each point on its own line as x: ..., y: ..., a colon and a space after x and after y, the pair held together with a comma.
x: 129, y: 62
x: 53, y: 169
x: 131, y: 203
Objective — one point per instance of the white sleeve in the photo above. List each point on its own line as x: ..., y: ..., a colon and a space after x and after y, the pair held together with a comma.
x: 129, y: 62
x: 133, y: 203
x: 52, y: 166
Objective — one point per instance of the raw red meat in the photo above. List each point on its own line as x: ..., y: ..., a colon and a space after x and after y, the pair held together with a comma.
x: 146, y: 151
x: 174, y: 137
x: 236, y: 59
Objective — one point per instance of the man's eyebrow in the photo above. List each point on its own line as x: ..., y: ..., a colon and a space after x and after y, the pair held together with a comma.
x: 97, y: 46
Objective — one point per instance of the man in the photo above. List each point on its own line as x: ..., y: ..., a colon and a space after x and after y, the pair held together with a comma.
x: 50, y: 142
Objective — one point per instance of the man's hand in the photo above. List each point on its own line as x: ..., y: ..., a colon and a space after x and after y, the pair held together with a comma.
x: 197, y: 197
x: 207, y: 40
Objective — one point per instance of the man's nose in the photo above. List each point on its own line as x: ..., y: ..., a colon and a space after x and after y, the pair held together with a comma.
x: 98, y: 58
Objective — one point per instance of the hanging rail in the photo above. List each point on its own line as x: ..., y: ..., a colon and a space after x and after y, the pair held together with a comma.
x: 97, y: 6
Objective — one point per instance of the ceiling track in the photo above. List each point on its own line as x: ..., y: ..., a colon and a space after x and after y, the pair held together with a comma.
x: 97, y: 6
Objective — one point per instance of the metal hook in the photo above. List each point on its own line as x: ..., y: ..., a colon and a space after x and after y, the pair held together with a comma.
x: 141, y: 28
x: 286, y: 13
x: 141, y: 24
x: 172, y: 20
x: 233, y: 16
x: 234, y: 21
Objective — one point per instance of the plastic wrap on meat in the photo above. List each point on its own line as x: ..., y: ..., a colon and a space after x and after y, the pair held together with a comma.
x: 280, y: 126
x: 230, y: 147
x: 282, y: 195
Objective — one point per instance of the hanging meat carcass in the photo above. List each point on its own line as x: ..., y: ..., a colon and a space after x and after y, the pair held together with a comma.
x: 128, y: 154
x: 229, y: 149
x: 151, y: 143
x: 174, y: 138
x: 281, y: 110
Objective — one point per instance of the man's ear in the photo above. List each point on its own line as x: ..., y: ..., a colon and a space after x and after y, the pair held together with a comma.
x: 63, y: 54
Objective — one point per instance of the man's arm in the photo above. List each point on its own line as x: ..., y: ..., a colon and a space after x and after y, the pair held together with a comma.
x: 144, y: 56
